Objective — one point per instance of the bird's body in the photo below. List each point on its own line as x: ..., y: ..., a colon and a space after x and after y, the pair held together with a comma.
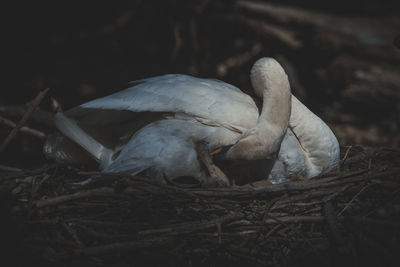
x: 176, y: 111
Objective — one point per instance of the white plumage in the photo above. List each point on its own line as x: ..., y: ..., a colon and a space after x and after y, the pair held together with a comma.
x: 208, y: 110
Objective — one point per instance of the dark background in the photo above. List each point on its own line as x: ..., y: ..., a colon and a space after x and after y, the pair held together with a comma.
x: 342, y: 57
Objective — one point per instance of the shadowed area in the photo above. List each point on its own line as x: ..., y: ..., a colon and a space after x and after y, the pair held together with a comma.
x: 341, y: 57
x: 342, y: 60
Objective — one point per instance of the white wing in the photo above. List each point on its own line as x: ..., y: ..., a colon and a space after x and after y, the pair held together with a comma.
x: 210, y: 101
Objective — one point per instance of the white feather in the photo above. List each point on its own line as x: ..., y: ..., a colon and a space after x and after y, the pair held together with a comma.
x: 203, y: 109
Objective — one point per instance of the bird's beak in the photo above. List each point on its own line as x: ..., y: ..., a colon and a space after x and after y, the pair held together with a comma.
x: 220, y: 153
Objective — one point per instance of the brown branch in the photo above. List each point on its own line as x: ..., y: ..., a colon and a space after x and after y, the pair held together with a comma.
x: 186, y: 228
x: 103, y: 191
x: 354, y: 198
x: 312, y: 194
x: 286, y: 36
x: 295, y: 219
x: 38, y: 115
x: 73, y: 234
x: 345, y: 156
x: 31, y: 107
x: 10, y: 169
x: 237, y: 60
x: 286, y: 187
x: 132, y: 181
x: 23, y: 129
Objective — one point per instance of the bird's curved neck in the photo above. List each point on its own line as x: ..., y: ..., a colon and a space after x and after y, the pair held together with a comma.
x: 276, y: 108
x: 263, y: 141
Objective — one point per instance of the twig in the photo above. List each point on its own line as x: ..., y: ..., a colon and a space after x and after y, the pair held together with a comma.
x: 264, y: 218
x: 38, y: 115
x: 287, y: 187
x: 284, y: 35
x: 132, y: 181
x: 270, y: 232
x: 340, y: 245
x: 73, y: 234
x: 36, y: 187
x: 237, y: 60
x: 23, y: 129
x: 10, y: 169
x: 32, y: 106
x: 345, y: 156
x: 290, y: 200
x: 219, y: 233
x: 354, y: 198
x: 331, y: 219
x: 192, y: 227
x: 295, y: 219
x: 103, y: 191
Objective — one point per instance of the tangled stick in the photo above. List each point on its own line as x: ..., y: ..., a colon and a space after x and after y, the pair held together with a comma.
x: 23, y: 129
x: 31, y: 107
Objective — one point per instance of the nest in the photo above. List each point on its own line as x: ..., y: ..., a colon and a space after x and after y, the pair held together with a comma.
x: 351, y: 216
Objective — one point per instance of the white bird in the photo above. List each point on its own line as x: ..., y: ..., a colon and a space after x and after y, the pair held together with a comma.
x: 163, y: 118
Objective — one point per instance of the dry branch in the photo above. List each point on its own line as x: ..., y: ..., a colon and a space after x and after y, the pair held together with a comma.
x: 23, y: 129
x: 31, y: 107
x: 38, y: 115
x: 104, y: 191
x: 118, y: 215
